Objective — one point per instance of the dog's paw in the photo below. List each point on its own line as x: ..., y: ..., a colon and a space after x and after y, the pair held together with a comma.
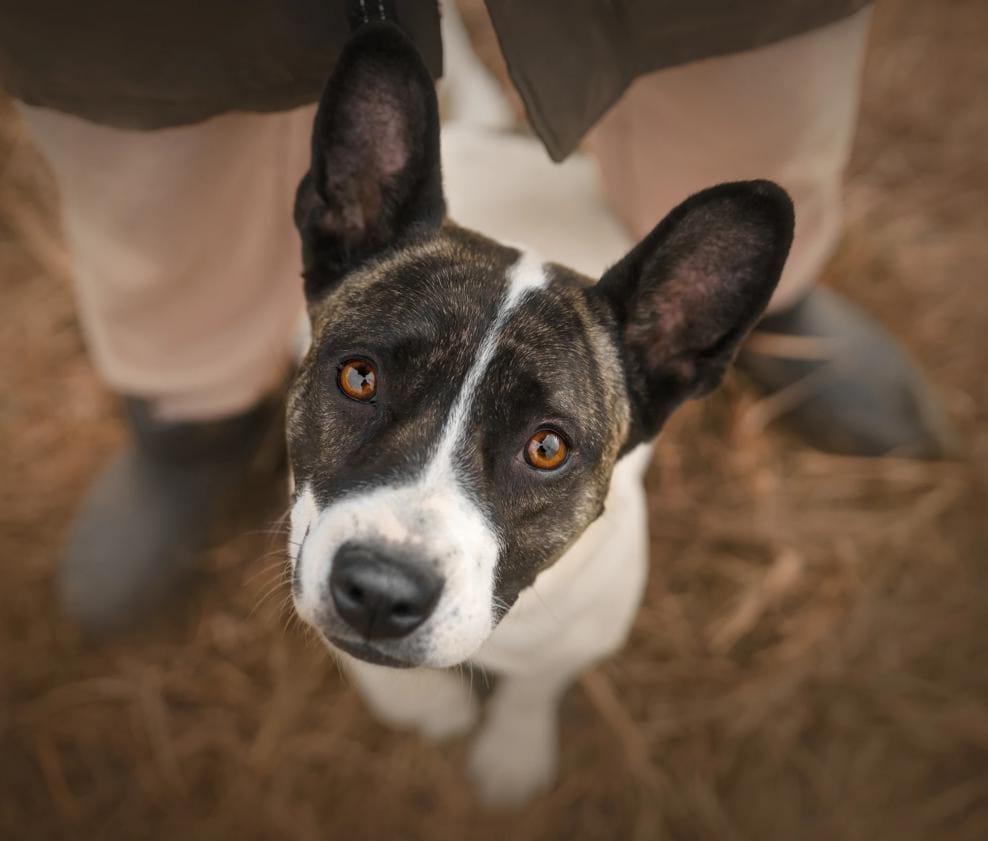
x: 512, y: 760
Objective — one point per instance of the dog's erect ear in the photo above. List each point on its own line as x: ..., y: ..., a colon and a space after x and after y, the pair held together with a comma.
x: 686, y: 295
x: 375, y: 177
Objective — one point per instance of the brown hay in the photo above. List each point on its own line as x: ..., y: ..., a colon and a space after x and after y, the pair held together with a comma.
x: 809, y: 664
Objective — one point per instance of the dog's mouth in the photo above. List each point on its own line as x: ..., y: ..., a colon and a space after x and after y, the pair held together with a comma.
x: 367, y: 652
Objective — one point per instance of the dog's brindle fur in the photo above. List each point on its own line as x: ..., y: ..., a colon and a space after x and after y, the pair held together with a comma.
x: 477, y: 345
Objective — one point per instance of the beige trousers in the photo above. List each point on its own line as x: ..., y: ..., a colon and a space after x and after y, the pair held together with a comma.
x: 187, y: 264
x: 786, y: 112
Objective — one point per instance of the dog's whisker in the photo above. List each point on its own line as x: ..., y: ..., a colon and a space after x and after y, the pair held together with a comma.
x: 337, y: 661
x: 288, y: 616
x: 269, y: 567
x: 280, y: 555
x: 270, y: 553
x: 275, y: 531
x: 274, y: 575
x: 279, y: 585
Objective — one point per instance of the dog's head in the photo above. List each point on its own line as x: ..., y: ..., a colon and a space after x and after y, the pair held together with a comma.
x: 455, y: 424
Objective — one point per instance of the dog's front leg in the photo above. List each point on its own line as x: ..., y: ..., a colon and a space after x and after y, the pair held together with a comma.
x: 437, y: 703
x: 515, y: 755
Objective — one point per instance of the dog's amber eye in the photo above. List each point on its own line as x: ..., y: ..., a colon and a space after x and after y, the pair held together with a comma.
x: 546, y: 450
x: 358, y: 379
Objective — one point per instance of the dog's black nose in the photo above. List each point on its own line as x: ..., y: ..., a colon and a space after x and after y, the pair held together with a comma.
x: 382, y: 595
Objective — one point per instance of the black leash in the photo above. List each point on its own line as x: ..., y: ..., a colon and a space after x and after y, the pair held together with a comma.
x: 360, y: 12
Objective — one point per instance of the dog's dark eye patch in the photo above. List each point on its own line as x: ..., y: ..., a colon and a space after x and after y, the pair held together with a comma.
x: 421, y: 320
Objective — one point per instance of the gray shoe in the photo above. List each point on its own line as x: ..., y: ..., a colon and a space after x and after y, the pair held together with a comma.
x: 150, y: 510
x: 844, y: 384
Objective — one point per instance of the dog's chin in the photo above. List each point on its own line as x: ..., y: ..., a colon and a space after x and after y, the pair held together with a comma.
x: 368, y: 653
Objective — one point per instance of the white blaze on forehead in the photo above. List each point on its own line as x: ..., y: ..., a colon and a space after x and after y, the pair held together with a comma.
x: 528, y: 273
x: 433, y: 512
x: 525, y: 275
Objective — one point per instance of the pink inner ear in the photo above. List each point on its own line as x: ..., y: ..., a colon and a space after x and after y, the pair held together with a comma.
x: 693, y: 308
x: 700, y: 297
x: 686, y: 316
x: 372, y: 148
x: 703, y: 295
x: 390, y: 146
x: 380, y: 126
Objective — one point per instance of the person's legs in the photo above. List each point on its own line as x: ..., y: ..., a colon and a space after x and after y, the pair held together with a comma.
x: 186, y: 260
x: 187, y: 274
x: 785, y: 112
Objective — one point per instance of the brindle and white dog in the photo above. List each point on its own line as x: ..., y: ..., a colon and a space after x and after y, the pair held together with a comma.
x: 469, y: 427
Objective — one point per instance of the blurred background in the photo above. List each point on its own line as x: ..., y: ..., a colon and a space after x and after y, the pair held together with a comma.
x: 810, y: 661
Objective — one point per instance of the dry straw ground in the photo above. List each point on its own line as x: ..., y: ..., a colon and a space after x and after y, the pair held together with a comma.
x: 810, y: 662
